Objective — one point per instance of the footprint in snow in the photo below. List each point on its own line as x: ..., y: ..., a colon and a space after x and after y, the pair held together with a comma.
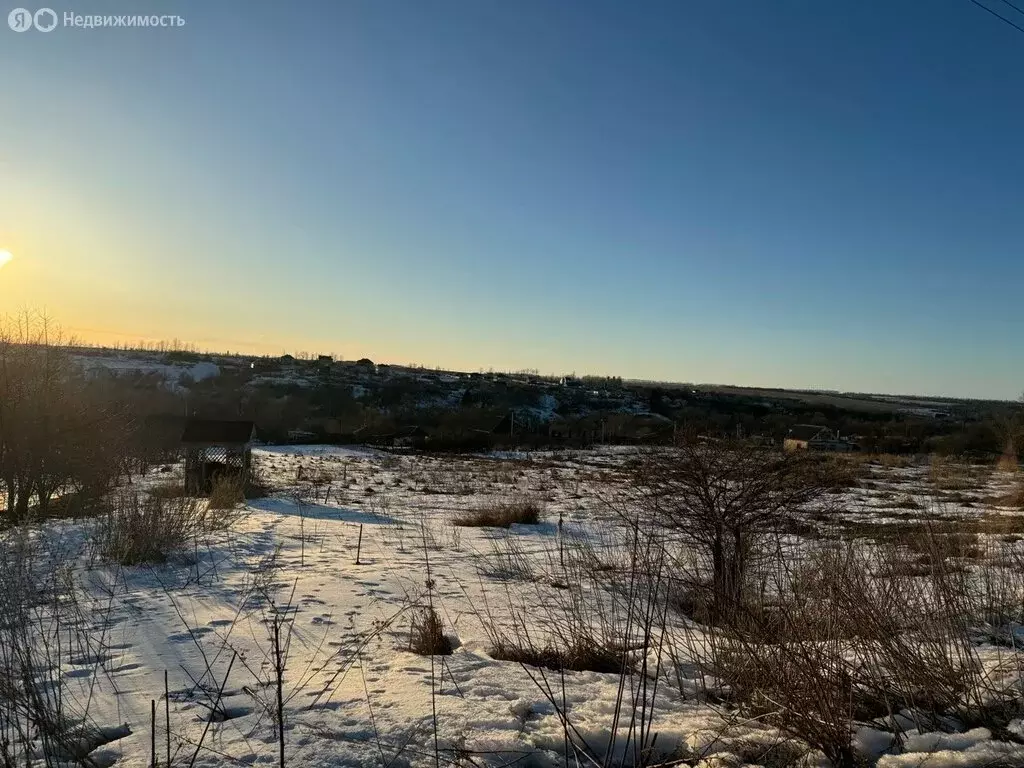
x: 185, y: 637
x: 89, y: 659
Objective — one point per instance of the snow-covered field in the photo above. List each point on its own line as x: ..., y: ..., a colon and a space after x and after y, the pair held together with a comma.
x: 344, y: 556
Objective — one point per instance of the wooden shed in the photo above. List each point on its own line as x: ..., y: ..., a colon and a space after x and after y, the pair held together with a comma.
x: 215, y: 448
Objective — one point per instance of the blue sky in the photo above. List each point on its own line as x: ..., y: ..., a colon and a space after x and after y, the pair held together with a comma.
x: 801, y: 194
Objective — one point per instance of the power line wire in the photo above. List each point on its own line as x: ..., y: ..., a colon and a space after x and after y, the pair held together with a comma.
x: 1001, y: 18
x: 1017, y: 8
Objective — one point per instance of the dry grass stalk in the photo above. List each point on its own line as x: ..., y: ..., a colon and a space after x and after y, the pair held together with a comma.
x: 228, y: 492
x: 138, y: 528
x: 426, y: 634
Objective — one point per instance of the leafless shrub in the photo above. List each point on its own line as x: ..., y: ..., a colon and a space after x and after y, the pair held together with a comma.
x: 952, y: 474
x: 171, y: 490
x: 609, y: 621
x: 722, y: 500
x: 581, y: 654
x: 813, y: 637
x: 999, y: 603
x: 146, y: 529
x: 60, y: 438
x: 426, y: 634
x: 502, y: 514
x: 804, y: 689
x: 794, y: 674
x: 938, y: 548
x: 859, y: 632
x: 227, y: 492
x: 454, y: 539
x: 839, y: 472
x: 257, y: 485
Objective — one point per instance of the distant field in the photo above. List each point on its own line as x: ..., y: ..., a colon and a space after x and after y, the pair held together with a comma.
x: 850, y: 401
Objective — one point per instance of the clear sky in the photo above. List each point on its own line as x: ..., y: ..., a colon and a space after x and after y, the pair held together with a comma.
x: 759, y: 192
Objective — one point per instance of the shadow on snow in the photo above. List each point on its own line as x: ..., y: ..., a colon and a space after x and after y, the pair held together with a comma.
x: 316, y: 511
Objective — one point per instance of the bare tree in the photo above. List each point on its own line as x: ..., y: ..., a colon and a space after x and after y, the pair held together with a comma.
x: 56, y: 436
x: 721, y: 499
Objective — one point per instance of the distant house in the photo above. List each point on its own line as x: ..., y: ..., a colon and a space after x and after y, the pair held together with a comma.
x: 812, y: 437
x: 800, y: 437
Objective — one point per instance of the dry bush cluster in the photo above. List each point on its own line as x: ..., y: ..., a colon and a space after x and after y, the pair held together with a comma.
x: 426, y: 634
x: 815, y: 637
x: 603, y: 614
x: 577, y: 654
x: 503, y: 514
x: 169, y: 490
x: 227, y: 492
x: 144, y: 528
x: 721, y: 505
x: 859, y: 634
x: 257, y: 484
x: 952, y: 474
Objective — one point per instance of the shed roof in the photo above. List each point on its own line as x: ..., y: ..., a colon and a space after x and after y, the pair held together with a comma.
x: 218, y: 431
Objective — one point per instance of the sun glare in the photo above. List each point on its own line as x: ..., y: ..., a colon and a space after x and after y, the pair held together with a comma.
x: 5, y: 256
